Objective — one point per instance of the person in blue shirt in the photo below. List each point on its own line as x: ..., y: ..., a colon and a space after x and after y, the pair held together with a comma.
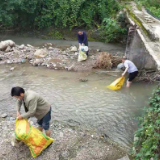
x: 82, y: 39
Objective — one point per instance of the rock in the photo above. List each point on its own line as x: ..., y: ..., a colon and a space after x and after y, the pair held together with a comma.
x: 76, y: 53
x: 73, y: 49
x: 37, y: 62
x: 83, y: 80
x: 5, y: 44
x: 41, y: 53
x: 64, y: 155
x: 11, y: 69
x: 61, y: 134
x: 50, y: 48
x: 4, y: 115
x: 21, y: 46
x: 28, y: 45
x: 8, y: 49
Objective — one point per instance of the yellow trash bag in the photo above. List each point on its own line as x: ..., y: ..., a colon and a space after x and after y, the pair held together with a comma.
x: 117, y: 84
x: 32, y: 137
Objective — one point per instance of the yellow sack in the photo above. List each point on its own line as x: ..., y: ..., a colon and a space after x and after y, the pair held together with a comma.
x: 32, y: 137
x: 117, y: 84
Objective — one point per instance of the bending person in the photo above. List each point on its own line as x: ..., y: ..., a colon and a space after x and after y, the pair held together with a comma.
x: 82, y: 39
x: 131, y: 69
x: 35, y: 106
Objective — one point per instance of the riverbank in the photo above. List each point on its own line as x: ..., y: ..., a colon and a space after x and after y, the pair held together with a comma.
x: 71, y: 142
x: 50, y: 56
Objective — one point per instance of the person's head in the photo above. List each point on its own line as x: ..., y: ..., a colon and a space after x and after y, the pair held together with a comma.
x: 80, y: 32
x: 17, y: 92
x: 123, y: 59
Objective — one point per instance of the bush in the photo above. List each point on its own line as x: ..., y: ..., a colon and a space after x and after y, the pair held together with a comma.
x: 148, y: 144
x: 40, y: 14
x: 111, y: 30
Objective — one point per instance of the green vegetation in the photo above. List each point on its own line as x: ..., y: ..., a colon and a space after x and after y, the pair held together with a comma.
x: 148, y: 145
x: 152, y: 5
x: 22, y: 15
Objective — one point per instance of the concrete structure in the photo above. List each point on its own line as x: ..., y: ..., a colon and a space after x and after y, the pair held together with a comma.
x: 143, y: 44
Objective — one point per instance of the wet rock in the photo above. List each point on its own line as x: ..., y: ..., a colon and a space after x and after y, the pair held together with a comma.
x: 11, y: 69
x: 37, y: 62
x: 41, y: 53
x: 4, y: 115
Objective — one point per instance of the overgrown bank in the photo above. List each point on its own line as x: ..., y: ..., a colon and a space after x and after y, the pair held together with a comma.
x: 70, y: 14
x: 146, y: 144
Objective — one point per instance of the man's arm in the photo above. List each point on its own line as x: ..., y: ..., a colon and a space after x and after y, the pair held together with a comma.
x: 19, y: 104
x: 32, y: 109
x: 125, y: 71
x: 127, y: 67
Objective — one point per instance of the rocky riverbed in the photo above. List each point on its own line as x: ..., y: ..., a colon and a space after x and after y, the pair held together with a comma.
x: 71, y: 142
x: 48, y: 56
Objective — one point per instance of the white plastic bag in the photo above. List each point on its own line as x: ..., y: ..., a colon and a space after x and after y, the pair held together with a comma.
x: 83, y: 48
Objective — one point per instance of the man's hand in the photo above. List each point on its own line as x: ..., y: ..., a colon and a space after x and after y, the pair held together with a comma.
x: 18, y: 114
x: 19, y: 117
x: 123, y: 74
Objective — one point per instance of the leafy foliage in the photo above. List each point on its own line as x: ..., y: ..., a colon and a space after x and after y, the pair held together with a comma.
x: 64, y: 13
x: 148, y: 134
x: 112, y: 29
x: 41, y: 14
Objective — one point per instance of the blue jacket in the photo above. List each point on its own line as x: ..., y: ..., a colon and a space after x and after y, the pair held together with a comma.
x: 82, y: 38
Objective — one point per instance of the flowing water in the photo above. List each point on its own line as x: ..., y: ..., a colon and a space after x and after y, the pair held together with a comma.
x: 112, y: 113
x: 87, y: 103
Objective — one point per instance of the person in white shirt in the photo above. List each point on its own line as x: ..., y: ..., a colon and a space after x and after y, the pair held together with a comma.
x: 131, y: 69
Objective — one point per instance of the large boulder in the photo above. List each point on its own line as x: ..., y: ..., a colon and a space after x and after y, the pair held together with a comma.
x: 41, y: 53
x: 5, y: 44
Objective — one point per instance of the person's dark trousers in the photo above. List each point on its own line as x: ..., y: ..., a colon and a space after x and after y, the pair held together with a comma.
x: 86, y: 44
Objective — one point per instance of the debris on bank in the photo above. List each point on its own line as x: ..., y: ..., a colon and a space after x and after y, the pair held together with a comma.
x: 71, y: 142
x: 54, y: 58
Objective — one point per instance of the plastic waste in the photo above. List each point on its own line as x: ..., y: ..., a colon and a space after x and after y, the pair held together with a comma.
x: 82, y: 56
x: 83, y: 48
x: 32, y: 137
x: 117, y: 84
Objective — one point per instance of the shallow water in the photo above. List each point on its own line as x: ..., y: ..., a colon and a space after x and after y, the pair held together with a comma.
x: 87, y: 103
x: 111, y: 48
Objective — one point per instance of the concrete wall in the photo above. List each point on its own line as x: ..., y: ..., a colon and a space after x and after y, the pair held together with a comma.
x: 136, y: 52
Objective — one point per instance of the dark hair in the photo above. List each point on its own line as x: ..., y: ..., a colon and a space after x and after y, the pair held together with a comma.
x: 16, y: 91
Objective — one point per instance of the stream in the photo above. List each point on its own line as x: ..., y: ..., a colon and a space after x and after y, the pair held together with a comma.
x: 113, y: 113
